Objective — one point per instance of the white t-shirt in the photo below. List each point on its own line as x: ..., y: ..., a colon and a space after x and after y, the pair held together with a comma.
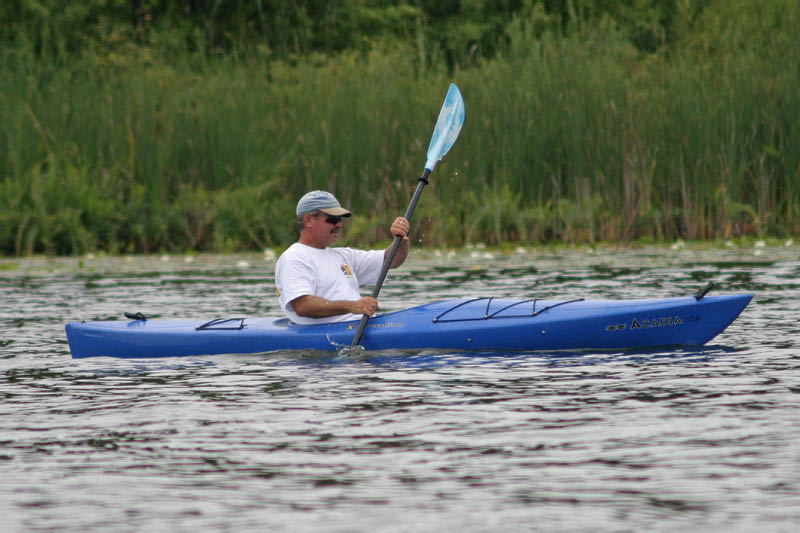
x: 330, y: 273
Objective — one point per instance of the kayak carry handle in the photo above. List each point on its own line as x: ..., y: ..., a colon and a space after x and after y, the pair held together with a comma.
x: 702, y: 292
x: 136, y: 316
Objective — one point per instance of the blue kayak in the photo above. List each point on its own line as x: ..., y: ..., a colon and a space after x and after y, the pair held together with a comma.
x: 478, y: 324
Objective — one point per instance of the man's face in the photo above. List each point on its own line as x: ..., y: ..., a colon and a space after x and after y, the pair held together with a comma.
x: 324, y: 229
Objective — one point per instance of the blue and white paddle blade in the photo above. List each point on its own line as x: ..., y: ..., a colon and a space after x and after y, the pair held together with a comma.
x: 448, y: 126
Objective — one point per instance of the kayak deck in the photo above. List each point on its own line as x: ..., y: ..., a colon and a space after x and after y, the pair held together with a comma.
x: 476, y: 324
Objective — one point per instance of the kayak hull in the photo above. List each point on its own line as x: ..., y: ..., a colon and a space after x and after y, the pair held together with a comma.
x: 480, y: 324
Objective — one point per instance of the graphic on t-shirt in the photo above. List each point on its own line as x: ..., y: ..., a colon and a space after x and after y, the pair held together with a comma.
x: 346, y: 270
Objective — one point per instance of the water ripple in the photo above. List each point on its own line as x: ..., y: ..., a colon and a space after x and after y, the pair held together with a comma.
x: 698, y: 439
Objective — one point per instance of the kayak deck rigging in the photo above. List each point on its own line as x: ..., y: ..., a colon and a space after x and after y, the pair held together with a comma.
x: 217, y: 323
x: 487, y: 315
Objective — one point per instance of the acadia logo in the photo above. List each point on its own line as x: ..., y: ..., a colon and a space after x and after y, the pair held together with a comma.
x: 648, y: 323
x: 657, y: 322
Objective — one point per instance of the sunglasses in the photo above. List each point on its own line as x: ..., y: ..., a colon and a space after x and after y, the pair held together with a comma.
x: 331, y: 219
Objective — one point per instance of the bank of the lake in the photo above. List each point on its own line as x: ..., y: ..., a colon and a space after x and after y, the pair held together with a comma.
x: 573, y: 134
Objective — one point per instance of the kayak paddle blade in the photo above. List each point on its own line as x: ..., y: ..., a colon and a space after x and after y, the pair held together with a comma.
x: 448, y: 126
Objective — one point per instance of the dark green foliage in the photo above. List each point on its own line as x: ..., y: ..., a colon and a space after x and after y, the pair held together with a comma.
x: 152, y: 125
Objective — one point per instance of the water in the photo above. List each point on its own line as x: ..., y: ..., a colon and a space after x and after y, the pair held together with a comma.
x: 668, y: 440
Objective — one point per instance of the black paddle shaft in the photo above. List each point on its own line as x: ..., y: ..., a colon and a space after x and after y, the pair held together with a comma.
x: 423, y: 181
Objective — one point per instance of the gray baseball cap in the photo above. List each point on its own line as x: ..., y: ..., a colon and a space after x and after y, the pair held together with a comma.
x: 321, y: 201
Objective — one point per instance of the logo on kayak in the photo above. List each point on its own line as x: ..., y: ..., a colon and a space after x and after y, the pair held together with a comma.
x: 381, y: 325
x: 647, y: 323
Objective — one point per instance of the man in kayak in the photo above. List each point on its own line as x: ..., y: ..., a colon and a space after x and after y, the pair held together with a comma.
x: 318, y: 284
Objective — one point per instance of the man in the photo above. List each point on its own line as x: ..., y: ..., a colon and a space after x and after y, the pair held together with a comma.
x: 318, y: 284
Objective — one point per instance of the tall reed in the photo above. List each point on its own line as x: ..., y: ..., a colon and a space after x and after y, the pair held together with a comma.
x: 571, y: 135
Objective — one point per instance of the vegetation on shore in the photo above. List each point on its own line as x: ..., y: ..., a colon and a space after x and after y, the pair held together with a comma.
x: 586, y: 121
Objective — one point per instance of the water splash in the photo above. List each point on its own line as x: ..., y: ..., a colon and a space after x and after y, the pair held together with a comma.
x: 350, y: 352
x: 346, y: 351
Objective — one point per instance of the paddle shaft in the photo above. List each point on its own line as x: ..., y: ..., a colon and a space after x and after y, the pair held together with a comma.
x: 423, y: 181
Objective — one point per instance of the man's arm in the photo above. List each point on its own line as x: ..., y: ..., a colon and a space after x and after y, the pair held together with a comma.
x: 400, y: 227
x: 310, y: 306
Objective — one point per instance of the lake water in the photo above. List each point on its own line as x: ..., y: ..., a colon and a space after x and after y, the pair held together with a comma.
x: 669, y: 440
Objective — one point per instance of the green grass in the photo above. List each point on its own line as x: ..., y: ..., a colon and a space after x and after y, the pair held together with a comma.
x: 570, y: 136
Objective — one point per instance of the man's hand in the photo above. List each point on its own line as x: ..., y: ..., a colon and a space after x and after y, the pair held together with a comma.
x: 365, y: 306
x: 400, y: 227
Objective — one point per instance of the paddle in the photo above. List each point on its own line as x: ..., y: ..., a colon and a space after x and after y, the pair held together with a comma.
x: 448, y: 126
